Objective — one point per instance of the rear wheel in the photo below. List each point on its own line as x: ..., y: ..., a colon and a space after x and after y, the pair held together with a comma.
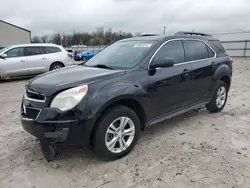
x: 117, y: 133
x: 56, y: 66
x: 219, y: 97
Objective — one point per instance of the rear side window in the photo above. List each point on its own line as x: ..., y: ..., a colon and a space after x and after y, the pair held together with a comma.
x: 50, y: 50
x: 29, y: 51
x: 15, y: 52
x: 173, y: 50
x: 210, y: 52
x: 195, y: 50
x: 217, y: 44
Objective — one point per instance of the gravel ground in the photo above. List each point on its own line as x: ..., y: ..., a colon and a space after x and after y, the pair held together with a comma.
x: 197, y: 149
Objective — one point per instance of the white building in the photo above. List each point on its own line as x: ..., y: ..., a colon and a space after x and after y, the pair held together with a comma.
x: 11, y: 34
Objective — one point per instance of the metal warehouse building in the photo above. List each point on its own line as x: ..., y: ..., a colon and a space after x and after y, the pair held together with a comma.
x: 11, y: 34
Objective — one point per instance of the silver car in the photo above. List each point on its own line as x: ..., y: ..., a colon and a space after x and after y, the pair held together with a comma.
x: 31, y: 59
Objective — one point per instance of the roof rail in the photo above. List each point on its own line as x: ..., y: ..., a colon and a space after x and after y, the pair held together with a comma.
x: 147, y: 35
x: 192, y: 33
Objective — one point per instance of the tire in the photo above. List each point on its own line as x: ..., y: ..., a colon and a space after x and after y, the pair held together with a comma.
x: 215, y: 106
x: 101, y: 139
x: 56, y: 66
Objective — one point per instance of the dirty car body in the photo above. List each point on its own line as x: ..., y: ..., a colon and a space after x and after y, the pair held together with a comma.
x: 134, y: 79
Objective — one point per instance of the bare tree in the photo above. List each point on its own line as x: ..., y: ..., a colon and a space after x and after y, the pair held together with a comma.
x: 44, y: 39
x: 99, y: 37
x: 57, y: 39
x: 35, y: 39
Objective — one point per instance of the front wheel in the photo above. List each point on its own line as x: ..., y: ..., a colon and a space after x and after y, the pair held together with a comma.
x: 219, y: 97
x: 117, y: 133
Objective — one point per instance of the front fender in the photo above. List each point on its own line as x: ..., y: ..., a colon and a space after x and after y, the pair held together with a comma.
x: 112, y: 93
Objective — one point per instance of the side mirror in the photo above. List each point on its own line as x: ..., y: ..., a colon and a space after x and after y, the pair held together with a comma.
x: 3, y: 56
x: 162, y: 63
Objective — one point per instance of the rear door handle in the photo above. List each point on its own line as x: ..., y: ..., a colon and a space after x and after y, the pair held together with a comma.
x: 22, y: 61
x: 213, y: 64
x: 44, y: 58
x: 185, y: 72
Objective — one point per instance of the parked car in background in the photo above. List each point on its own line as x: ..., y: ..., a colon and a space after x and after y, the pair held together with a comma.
x: 85, y: 56
x: 133, y: 83
x: 31, y: 59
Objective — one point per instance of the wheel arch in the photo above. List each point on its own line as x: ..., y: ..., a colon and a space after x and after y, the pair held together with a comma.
x: 129, y: 102
x: 226, y: 79
x: 56, y: 62
x: 223, y: 73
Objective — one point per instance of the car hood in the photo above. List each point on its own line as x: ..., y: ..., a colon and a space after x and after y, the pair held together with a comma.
x: 54, y: 81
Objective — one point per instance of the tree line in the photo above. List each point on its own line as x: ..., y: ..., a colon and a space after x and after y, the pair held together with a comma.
x: 99, y: 37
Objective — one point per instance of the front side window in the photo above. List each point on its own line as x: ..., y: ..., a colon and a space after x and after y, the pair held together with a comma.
x: 196, y: 50
x: 121, y: 55
x: 15, y: 52
x: 172, y: 50
x: 29, y: 51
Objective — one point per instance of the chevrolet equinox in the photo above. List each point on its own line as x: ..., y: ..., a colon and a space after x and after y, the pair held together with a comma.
x: 131, y: 84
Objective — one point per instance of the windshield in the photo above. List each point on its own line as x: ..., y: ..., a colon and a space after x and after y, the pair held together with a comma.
x: 121, y: 55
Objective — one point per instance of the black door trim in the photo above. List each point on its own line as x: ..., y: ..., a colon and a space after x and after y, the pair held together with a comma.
x: 177, y: 112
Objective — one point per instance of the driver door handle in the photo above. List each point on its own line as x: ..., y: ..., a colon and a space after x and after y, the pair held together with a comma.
x: 22, y: 61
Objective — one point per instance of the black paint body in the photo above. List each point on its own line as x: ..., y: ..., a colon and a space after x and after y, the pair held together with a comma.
x: 157, y: 92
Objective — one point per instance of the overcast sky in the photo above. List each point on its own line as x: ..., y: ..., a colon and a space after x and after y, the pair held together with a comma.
x: 146, y: 16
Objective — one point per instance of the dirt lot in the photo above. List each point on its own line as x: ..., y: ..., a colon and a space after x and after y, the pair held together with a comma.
x: 197, y: 149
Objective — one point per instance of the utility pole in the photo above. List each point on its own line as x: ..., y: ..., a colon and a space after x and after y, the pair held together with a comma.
x: 164, y: 30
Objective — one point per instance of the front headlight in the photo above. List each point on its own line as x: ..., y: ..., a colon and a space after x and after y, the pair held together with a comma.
x: 68, y: 99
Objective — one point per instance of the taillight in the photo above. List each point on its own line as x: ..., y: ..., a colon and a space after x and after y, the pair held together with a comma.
x: 69, y: 54
x: 231, y: 61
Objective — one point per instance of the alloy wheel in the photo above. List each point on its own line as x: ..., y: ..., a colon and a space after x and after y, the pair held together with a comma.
x: 56, y: 67
x: 221, y: 96
x: 120, y: 134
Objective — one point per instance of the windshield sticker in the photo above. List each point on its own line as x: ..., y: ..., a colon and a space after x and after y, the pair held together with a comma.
x: 142, y: 45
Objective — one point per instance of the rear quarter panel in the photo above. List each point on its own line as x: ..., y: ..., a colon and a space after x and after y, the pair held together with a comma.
x: 61, y: 57
x: 221, y: 69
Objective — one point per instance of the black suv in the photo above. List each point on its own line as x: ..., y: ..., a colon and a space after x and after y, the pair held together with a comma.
x: 131, y: 84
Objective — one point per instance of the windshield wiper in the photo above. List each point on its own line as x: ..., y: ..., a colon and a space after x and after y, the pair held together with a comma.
x: 102, y: 66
